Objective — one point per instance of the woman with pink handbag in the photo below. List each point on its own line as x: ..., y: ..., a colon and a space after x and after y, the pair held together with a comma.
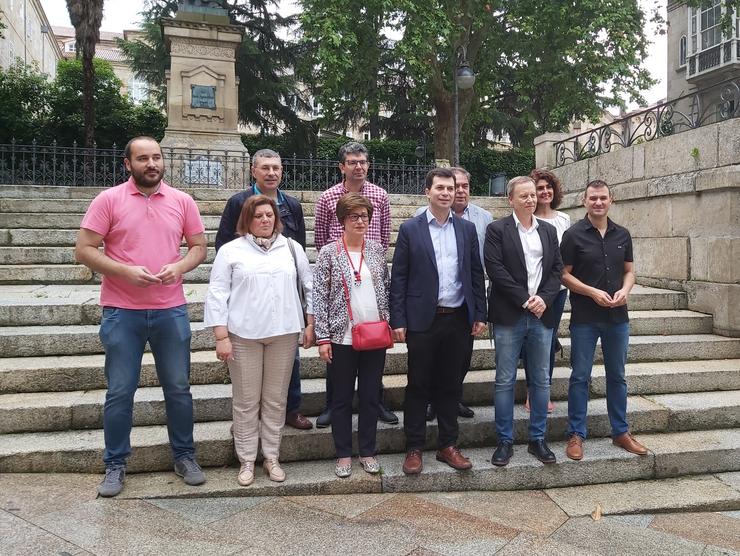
x: 350, y: 303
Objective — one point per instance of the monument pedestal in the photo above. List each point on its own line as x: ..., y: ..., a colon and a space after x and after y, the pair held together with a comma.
x: 202, y: 88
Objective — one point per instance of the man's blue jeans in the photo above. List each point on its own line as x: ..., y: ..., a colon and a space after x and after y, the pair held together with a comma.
x: 614, y: 342
x: 124, y: 334
x: 531, y: 335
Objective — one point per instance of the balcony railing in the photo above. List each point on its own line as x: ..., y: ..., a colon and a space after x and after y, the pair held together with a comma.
x: 706, y: 106
x: 717, y: 57
x: 79, y: 166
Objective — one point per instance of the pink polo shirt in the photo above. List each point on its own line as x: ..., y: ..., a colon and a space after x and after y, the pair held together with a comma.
x: 142, y: 231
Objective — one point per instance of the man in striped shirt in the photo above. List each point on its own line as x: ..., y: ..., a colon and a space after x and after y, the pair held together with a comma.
x: 354, y: 165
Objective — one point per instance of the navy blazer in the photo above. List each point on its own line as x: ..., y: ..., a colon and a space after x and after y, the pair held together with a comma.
x: 415, y: 281
x: 507, y: 270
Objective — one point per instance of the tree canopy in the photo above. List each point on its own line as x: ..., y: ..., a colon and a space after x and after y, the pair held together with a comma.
x: 538, y: 63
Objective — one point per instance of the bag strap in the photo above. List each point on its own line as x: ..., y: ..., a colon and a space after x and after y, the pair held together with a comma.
x: 301, y: 293
x: 344, y: 284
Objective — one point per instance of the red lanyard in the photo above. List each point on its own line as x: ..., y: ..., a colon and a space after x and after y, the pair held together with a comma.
x: 357, y: 272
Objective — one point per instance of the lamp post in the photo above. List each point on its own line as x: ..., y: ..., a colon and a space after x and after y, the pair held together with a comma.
x: 464, y: 79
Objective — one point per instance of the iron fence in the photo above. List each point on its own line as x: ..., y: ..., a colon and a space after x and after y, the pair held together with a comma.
x: 55, y: 164
x: 706, y: 106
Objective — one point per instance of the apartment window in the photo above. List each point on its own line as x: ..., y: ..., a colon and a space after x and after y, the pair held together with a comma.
x: 692, y: 13
x: 316, y: 107
x: 682, y: 51
x: 710, y: 20
x: 138, y: 90
x: 70, y: 47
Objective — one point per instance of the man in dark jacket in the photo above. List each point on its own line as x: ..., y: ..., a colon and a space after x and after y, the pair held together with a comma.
x: 267, y: 170
x: 523, y: 262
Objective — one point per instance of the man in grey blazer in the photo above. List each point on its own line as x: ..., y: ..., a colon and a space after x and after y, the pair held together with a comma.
x: 481, y: 218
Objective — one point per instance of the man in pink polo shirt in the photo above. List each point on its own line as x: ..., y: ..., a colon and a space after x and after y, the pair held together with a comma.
x: 141, y: 224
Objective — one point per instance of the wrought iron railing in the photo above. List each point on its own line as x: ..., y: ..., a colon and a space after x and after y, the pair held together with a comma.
x: 706, y: 106
x: 79, y: 166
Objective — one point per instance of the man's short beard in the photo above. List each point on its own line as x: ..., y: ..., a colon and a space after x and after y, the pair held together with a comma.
x: 143, y: 181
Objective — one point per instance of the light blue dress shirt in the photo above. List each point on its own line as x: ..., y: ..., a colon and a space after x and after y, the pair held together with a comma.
x: 444, y: 240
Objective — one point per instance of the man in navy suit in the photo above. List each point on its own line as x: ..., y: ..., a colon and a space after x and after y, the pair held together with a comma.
x: 437, y: 300
x: 523, y: 262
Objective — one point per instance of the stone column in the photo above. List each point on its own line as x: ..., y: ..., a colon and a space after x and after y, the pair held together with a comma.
x: 544, y: 149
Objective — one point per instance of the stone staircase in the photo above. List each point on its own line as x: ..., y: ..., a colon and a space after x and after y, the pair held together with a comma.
x: 684, y: 382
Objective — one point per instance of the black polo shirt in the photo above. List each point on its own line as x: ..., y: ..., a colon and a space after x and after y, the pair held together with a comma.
x: 597, y: 262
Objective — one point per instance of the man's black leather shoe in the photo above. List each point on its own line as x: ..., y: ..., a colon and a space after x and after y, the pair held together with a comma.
x: 431, y: 414
x: 324, y: 420
x: 503, y: 454
x: 539, y: 449
x: 387, y: 416
x: 465, y: 411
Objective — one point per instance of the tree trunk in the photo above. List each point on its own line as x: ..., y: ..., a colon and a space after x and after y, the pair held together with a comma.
x: 444, y: 131
x: 88, y: 98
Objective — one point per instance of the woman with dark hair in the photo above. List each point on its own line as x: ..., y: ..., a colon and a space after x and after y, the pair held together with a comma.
x: 351, y: 283
x: 549, y: 197
x: 254, y: 306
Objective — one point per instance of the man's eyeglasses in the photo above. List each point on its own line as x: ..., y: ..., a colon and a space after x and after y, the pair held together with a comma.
x: 357, y: 217
x: 356, y: 162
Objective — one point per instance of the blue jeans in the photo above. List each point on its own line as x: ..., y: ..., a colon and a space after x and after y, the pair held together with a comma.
x: 124, y: 333
x: 294, y: 388
x: 614, y: 342
x: 535, y: 338
x: 557, y: 307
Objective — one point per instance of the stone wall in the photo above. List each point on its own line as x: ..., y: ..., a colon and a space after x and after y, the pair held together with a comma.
x: 680, y: 198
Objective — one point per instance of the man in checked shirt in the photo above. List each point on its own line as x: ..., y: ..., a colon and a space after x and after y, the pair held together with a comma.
x: 354, y: 165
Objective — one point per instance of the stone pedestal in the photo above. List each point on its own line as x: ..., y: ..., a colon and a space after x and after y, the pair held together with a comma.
x: 544, y: 149
x: 202, y: 89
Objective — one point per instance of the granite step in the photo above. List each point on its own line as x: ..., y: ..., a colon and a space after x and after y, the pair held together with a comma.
x: 28, y: 341
x: 45, y: 237
x: 206, y: 207
x: 29, y: 305
x: 62, y: 255
x: 715, y: 384
x: 45, y: 192
x: 81, y: 450
x: 74, y: 274
x: 616, y: 481
x: 10, y: 221
x: 83, y: 372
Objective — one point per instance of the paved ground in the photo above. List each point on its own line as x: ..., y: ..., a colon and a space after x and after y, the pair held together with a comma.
x: 60, y: 515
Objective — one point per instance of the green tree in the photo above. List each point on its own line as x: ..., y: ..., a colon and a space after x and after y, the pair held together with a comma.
x: 538, y: 63
x: 86, y: 17
x: 117, y: 118
x: 24, y: 104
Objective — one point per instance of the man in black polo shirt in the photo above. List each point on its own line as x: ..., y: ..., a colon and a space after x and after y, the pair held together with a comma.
x: 267, y: 171
x: 599, y: 272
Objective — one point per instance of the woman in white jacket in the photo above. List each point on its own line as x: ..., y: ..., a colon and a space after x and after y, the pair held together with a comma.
x: 254, y: 307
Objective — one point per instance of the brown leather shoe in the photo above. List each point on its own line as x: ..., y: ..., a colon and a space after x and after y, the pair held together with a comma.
x: 452, y: 457
x: 627, y: 442
x: 412, y: 464
x: 574, y: 449
x: 298, y: 421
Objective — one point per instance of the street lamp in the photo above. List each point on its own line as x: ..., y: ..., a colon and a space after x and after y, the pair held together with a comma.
x: 464, y: 79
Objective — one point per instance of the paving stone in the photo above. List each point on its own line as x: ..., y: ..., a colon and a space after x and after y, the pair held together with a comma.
x: 525, y: 510
x: 18, y: 537
x: 343, y: 506
x: 699, y: 493
x: 707, y: 527
x: 207, y: 510
x: 641, y: 521
x: 732, y: 479
x: 608, y: 537
x: 312, y: 531
x: 527, y: 544
x: 31, y: 494
x: 134, y: 527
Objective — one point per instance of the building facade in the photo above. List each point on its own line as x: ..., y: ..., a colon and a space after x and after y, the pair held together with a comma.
x: 28, y: 37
